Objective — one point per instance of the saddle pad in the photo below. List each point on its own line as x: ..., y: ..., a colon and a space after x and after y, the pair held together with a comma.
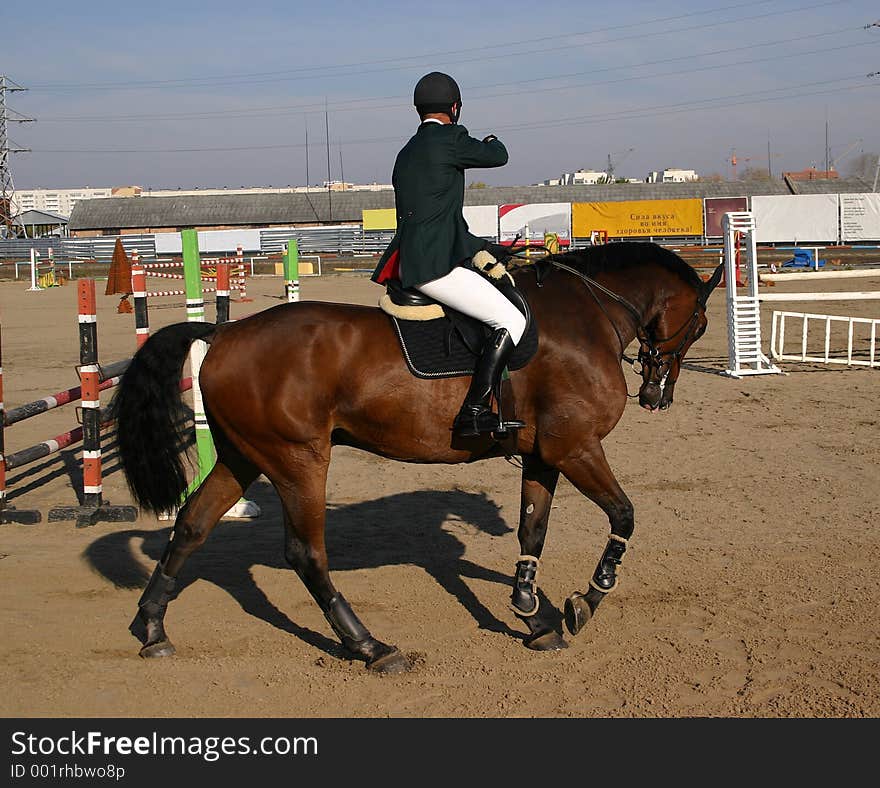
x: 433, y: 349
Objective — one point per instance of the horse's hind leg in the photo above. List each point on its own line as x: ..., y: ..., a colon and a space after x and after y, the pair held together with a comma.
x: 304, y: 501
x: 538, y: 485
x: 590, y: 473
x: 202, y: 511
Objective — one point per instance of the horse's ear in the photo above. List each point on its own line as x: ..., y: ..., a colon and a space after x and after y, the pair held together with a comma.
x: 709, y: 286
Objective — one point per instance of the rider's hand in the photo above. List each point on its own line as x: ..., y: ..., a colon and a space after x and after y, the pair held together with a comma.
x: 489, y: 138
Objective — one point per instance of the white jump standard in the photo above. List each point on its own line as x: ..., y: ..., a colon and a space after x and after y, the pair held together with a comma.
x: 744, y: 354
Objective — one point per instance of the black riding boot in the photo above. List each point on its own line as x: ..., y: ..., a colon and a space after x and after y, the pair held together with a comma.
x: 476, y: 416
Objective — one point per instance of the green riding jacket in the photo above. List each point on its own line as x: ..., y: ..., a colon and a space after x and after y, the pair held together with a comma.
x: 432, y: 235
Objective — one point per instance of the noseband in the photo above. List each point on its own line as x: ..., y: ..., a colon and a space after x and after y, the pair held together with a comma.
x: 662, y: 361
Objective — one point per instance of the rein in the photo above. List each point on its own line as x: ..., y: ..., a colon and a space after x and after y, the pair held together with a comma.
x: 648, y: 350
x: 592, y: 283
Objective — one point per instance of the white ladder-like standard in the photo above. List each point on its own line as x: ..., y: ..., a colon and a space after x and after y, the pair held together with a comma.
x: 744, y: 354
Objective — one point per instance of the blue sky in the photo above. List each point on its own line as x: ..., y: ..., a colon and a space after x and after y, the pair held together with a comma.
x: 223, y: 94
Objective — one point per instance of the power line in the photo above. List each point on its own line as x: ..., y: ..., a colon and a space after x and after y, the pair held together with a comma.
x: 667, y: 109
x: 241, y: 80
x: 356, y: 104
x: 443, y: 53
x: 632, y: 114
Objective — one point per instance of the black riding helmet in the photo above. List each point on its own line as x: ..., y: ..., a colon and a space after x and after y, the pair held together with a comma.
x: 437, y: 92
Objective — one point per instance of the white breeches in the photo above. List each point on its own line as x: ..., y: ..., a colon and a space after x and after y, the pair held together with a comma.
x: 470, y: 293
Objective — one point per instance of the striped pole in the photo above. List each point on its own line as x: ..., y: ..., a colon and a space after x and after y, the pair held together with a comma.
x: 110, y: 377
x: 242, y: 276
x: 222, y: 291
x: 195, y: 312
x: 291, y: 271
x: 53, y: 445
x: 93, y: 508
x: 90, y: 377
x: 139, y: 286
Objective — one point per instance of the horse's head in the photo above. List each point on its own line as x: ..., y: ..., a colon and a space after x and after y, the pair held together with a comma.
x: 666, y: 339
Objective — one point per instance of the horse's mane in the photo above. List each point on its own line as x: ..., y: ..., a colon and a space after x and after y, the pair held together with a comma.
x: 627, y: 254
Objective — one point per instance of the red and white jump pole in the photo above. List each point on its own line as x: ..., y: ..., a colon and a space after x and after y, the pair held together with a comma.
x: 92, y: 508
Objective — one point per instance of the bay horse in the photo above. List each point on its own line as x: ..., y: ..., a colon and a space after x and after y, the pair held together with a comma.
x: 283, y: 386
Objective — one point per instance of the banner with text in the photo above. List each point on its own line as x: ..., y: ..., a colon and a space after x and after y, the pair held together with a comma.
x: 638, y: 218
x: 535, y: 220
x: 482, y: 220
x: 860, y: 217
x: 795, y: 218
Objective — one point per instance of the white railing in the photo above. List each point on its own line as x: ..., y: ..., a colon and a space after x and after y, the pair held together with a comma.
x: 777, y: 340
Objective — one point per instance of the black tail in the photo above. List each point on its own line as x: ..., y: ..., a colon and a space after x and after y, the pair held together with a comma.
x: 148, y: 410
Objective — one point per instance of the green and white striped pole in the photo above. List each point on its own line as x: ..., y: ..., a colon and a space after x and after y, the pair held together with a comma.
x: 195, y: 311
x: 291, y: 271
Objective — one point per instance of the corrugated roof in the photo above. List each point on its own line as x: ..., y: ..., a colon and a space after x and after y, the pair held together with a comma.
x: 620, y: 192
x: 35, y: 217
x: 830, y: 186
x: 260, y: 210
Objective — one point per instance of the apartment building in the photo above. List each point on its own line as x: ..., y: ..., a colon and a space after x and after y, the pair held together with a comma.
x: 61, y: 201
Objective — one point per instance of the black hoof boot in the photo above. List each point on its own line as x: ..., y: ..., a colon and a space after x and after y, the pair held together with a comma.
x: 149, y: 623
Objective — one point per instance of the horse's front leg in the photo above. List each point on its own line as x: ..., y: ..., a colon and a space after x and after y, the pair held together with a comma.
x: 538, y: 485
x: 590, y: 473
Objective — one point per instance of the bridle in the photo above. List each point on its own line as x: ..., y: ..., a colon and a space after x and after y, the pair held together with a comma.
x: 658, y: 362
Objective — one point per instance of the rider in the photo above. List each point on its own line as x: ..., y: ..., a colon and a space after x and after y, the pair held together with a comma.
x: 432, y: 248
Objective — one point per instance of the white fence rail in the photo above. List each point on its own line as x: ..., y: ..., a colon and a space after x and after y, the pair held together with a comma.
x: 860, y: 351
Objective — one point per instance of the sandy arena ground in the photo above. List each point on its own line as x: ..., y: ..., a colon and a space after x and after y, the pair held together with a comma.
x: 750, y: 588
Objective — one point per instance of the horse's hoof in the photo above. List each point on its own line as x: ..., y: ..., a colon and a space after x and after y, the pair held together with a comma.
x: 546, y: 641
x: 390, y: 663
x: 163, y: 648
x: 577, y: 613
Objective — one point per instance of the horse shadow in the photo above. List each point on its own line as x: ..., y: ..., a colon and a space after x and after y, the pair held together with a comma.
x: 414, y: 528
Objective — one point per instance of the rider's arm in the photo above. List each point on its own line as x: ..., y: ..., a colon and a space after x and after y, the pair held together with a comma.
x: 471, y: 152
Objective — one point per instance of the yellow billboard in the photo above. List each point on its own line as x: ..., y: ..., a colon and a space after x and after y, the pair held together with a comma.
x: 379, y: 219
x: 638, y: 218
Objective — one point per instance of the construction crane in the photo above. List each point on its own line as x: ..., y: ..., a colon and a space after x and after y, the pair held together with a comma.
x: 734, y: 160
x: 611, y: 164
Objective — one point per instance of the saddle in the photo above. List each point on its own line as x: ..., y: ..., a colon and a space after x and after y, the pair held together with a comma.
x: 440, y: 342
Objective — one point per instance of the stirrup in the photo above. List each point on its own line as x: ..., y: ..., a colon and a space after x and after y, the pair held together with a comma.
x: 505, y: 428
x: 484, y: 422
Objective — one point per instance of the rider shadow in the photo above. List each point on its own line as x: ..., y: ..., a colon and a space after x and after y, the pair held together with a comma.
x: 403, y: 529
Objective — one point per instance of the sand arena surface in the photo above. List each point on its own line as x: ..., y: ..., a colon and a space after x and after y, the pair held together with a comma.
x: 750, y: 587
